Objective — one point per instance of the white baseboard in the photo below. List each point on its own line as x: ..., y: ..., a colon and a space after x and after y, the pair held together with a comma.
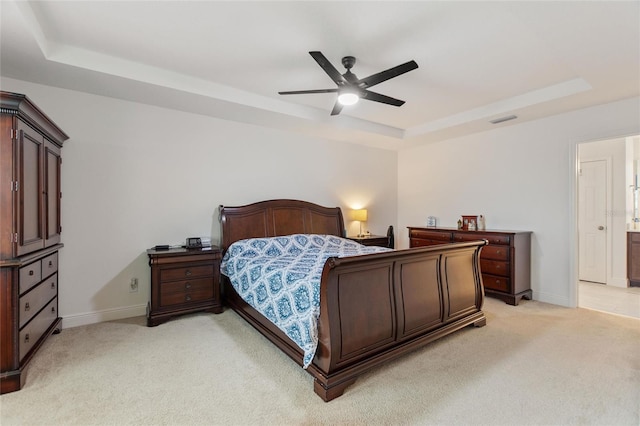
x: 618, y: 282
x: 71, y: 321
x: 554, y: 299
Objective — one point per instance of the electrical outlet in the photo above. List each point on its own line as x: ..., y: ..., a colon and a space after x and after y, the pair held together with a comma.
x: 133, y: 286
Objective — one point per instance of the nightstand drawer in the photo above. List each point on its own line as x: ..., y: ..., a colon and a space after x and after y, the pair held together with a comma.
x: 187, y: 272
x: 179, y: 292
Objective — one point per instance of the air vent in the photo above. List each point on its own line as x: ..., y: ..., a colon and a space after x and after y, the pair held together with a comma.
x: 503, y: 119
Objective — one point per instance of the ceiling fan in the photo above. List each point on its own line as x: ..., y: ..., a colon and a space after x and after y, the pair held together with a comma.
x: 350, y: 88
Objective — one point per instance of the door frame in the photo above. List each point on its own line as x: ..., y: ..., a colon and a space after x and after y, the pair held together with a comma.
x: 573, y: 220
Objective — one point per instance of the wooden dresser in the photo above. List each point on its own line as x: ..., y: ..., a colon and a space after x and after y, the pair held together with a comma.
x: 30, y: 228
x: 183, y: 281
x: 505, y: 263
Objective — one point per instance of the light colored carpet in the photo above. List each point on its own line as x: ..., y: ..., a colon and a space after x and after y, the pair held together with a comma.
x: 532, y: 364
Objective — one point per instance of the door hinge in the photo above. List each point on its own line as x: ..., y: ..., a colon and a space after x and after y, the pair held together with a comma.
x: 14, y: 134
x: 15, y: 238
x: 14, y: 185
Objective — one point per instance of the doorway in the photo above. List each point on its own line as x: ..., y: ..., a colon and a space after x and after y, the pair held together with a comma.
x: 604, y: 172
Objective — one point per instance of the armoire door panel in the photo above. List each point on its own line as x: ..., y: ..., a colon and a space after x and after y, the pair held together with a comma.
x: 29, y: 203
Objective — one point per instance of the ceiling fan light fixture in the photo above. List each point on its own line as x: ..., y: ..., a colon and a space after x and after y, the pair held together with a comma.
x: 348, y: 98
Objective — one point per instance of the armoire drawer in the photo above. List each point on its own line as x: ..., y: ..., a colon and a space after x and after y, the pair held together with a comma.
x: 33, y: 331
x: 50, y: 265
x: 33, y: 301
x: 30, y: 275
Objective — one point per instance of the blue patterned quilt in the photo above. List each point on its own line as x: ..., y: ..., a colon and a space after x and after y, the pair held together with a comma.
x: 280, y: 278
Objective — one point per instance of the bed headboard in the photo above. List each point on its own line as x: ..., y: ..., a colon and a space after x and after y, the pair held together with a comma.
x: 278, y: 217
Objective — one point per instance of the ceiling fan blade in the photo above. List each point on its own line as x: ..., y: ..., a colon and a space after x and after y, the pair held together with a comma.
x: 378, y: 78
x: 336, y: 108
x: 328, y: 68
x: 377, y: 97
x: 302, y: 92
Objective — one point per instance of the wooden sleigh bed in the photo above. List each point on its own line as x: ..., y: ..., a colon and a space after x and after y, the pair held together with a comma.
x: 374, y: 307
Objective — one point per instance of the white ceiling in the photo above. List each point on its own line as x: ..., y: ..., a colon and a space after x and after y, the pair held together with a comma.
x: 477, y: 60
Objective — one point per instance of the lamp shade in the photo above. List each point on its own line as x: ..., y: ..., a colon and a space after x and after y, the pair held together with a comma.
x: 360, y: 215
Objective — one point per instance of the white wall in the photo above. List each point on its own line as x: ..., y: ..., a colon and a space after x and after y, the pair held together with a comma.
x: 614, y: 151
x: 520, y: 177
x: 135, y: 175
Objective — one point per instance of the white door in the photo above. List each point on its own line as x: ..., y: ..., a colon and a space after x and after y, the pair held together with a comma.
x: 592, y: 221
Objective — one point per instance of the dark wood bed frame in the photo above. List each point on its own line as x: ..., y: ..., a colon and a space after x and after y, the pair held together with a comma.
x: 374, y: 307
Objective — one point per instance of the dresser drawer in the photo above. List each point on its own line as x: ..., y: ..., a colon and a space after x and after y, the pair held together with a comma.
x: 443, y: 237
x: 474, y: 236
x: 30, y: 275
x: 187, y: 272
x: 495, y: 252
x: 50, y: 265
x: 33, y: 331
x: 419, y: 242
x: 494, y: 267
x: 31, y: 303
x: 496, y: 283
x: 188, y: 291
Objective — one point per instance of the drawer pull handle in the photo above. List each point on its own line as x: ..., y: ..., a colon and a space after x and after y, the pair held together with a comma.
x: 187, y: 298
x: 26, y: 338
x: 497, y: 281
x: 188, y: 273
x: 187, y: 285
x: 53, y: 284
x: 31, y: 272
x: 53, y: 309
x: 26, y: 307
x: 50, y: 264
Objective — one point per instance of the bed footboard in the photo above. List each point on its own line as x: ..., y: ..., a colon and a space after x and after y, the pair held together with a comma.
x: 377, y: 307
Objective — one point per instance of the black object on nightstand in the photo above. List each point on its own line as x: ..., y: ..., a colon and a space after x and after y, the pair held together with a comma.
x: 183, y: 281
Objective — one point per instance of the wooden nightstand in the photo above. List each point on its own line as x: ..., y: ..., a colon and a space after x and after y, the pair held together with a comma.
x: 183, y: 281
x: 372, y: 240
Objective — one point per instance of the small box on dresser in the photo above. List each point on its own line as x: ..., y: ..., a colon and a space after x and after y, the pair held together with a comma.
x: 183, y: 281
x: 505, y: 263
